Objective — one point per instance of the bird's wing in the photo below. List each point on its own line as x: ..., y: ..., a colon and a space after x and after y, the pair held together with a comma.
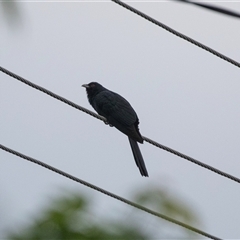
x: 113, y: 106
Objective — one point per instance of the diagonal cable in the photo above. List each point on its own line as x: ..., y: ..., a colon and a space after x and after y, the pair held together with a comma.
x: 44, y: 90
x: 154, y: 21
x: 72, y: 104
x: 133, y: 204
x: 204, y: 165
x: 213, y: 8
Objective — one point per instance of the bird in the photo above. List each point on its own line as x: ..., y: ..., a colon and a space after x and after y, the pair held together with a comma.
x: 120, y: 114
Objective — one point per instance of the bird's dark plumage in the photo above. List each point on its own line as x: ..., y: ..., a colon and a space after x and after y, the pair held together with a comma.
x: 120, y: 114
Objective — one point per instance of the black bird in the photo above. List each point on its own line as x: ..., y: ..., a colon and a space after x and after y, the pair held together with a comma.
x: 120, y: 114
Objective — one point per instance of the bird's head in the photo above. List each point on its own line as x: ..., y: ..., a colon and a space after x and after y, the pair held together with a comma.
x: 93, y: 88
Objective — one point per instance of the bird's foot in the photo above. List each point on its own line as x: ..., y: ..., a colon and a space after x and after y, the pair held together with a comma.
x: 107, y: 123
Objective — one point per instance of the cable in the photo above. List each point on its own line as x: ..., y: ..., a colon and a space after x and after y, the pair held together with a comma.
x: 214, y: 52
x: 44, y: 90
x: 33, y: 85
x: 204, y: 165
x: 33, y: 160
x: 213, y: 8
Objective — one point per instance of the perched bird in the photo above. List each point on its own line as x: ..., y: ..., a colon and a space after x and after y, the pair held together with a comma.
x: 120, y: 114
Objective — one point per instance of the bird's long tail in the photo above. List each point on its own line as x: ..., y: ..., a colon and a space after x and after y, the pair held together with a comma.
x: 138, y: 157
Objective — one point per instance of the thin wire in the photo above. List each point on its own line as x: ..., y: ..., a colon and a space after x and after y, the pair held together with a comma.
x: 204, y: 165
x: 214, y: 52
x: 213, y: 8
x: 44, y: 90
x: 33, y: 85
x: 42, y: 164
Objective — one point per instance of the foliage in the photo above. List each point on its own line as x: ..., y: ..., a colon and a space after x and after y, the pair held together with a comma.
x: 68, y: 218
x: 160, y: 201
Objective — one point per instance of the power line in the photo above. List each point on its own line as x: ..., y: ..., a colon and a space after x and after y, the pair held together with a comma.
x: 204, y: 165
x: 44, y: 90
x: 33, y: 85
x: 133, y: 204
x: 214, y: 52
x: 213, y: 8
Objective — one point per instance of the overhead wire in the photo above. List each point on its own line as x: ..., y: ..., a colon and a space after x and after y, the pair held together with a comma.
x: 44, y: 90
x: 72, y: 104
x: 204, y: 165
x: 171, y: 30
x: 213, y: 8
x: 110, y: 194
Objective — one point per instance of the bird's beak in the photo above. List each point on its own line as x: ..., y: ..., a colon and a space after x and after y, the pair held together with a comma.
x: 85, y: 85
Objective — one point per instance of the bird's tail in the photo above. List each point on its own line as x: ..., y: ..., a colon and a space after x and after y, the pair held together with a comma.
x: 138, y: 157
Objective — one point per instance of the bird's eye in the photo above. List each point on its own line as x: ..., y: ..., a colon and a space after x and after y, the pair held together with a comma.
x: 92, y: 85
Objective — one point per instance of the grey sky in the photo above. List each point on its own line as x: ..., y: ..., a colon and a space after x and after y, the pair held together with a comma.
x: 185, y: 98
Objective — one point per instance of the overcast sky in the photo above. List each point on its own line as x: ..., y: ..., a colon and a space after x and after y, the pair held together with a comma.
x: 185, y: 98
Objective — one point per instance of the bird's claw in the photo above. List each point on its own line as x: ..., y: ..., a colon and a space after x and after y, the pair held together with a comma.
x: 107, y: 123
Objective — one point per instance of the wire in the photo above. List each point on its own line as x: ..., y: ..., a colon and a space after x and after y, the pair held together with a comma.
x: 214, y: 52
x: 213, y: 8
x: 44, y: 90
x: 33, y: 85
x: 204, y: 165
x: 42, y: 164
